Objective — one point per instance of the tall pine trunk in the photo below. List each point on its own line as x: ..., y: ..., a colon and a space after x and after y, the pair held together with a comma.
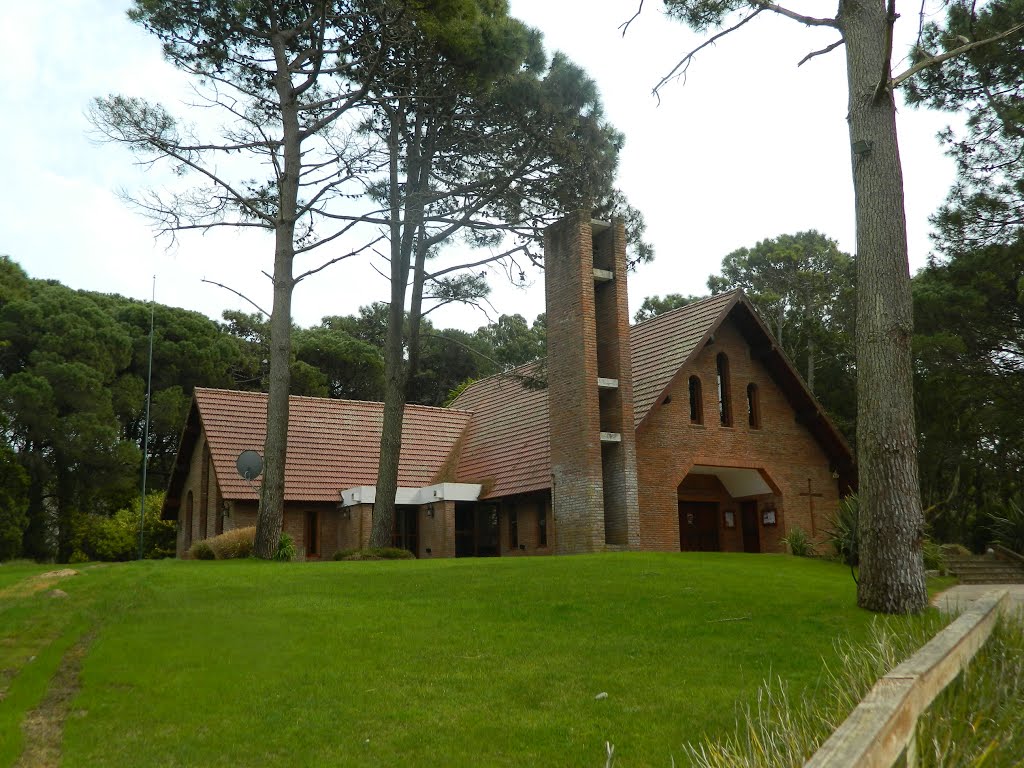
x: 891, y: 520
x: 270, y: 519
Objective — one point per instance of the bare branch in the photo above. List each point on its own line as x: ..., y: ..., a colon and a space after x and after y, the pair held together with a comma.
x: 684, y: 63
x: 482, y: 262
x: 624, y: 26
x: 931, y: 61
x: 890, y: 23
x: 822, y: 52
x: 810, y: 21
x: 336, y: 259
x: 259, y: 309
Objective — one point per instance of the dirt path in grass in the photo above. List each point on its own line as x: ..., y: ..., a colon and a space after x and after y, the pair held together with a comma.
x: 44, y: 726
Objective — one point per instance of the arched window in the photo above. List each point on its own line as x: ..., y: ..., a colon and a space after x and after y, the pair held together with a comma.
x: 753, y: 407
x: 696, y: 401
x: 724, y: 408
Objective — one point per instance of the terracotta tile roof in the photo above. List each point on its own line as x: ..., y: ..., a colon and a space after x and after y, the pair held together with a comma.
x: 332, y: 444
x: 506, y: 448
x: 662, y: 344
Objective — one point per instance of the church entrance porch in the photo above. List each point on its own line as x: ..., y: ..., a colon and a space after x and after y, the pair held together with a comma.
x: 727, y: 509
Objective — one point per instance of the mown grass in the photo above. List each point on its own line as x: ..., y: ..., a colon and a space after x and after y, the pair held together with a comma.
x: 459, y: 662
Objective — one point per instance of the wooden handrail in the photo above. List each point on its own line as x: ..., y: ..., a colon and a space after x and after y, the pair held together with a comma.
x: 882, y: 726
x: 1008, y: 553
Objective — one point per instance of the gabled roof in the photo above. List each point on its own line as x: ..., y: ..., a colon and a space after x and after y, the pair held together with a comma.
x: 507, y: 447
x: 662, y: 345
x: 332, y: 444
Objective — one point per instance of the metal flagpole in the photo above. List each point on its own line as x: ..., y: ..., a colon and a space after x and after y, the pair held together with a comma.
x: 145, y: 430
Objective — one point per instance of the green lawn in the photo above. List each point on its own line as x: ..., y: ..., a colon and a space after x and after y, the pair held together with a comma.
x: 453, y: 662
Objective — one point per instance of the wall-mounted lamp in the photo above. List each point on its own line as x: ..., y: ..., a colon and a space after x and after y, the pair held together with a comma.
x: 430, y: 510
x: 225, y: 508
x: 835, y: 474
x: 346, y: 513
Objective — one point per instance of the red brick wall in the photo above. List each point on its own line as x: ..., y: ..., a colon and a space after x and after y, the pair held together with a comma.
x: 202, y: 483
x: 593, y: 487
x: 782, y: 450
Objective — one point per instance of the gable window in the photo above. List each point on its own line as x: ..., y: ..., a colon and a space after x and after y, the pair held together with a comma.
x: 753, y: 407
x: 724, y: 408
x: 542, y: 524
x: 696, y: 401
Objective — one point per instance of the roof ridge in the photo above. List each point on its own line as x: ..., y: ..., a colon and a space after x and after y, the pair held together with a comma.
x: 692, y: 304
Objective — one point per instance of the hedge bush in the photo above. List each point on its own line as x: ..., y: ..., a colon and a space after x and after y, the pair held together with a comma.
x: 234, y: 544
x: 202, y: 550
x: 116, y: 538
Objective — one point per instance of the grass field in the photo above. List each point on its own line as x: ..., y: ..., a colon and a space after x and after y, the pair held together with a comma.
x: 455, y: 662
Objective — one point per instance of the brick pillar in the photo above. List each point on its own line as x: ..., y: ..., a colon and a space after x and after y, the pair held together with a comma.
x: 593, y: 453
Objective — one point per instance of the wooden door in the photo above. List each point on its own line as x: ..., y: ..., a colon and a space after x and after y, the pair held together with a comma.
x: 698, y: 526
x: 751, y: 529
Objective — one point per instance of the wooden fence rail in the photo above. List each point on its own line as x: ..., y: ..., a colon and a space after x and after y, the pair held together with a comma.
x: 882, y: 726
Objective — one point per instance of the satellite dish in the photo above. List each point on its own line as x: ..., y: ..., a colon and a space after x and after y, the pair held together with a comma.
x: 249, y: 464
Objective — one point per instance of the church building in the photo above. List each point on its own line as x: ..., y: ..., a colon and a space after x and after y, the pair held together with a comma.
x: 690, y: 431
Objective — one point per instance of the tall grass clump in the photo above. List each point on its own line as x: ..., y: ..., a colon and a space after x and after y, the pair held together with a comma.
x: 236, y: 543
x: 978, y: 720
x: 799, y: 543
x: 782, y: 730
x: 1008, y: 525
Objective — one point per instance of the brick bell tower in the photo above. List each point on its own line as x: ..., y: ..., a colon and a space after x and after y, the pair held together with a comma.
x: 590, y: 387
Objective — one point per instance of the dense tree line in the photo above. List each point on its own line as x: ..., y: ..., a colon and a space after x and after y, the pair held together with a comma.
x: 73, y: 368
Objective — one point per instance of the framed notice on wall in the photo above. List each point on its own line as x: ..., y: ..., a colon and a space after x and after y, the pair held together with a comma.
x: 730, y: 519
x: 768, y: 516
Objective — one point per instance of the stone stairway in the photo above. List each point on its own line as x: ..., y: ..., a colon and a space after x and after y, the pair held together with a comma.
x: 986, y: 569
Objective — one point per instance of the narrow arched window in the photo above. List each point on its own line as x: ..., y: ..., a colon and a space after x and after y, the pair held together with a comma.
x: 753, y: 407
x: 696, y: 401
x: 724, y: 409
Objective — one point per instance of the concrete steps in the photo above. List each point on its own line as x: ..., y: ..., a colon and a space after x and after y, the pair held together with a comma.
x: 986, y: 570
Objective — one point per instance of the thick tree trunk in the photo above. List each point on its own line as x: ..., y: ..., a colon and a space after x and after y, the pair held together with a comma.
x: 270, y: 518
x: 891, y: 521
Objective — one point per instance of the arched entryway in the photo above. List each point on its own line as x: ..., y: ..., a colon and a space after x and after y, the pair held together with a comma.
x: 726, y: 509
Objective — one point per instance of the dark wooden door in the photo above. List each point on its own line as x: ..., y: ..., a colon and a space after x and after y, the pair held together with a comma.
x: 698, y: 526
x: 405, y: 533
x: 751, y: 530
x: 476, y: 530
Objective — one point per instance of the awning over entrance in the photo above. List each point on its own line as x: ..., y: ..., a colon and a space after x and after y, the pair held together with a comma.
x: 738, y: 481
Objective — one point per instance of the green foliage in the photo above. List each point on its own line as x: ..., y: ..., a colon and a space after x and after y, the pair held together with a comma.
x: 13, y: 504
x: 655, y: 305
x: 969, y: 387
x: 1008, y: 525
x: 285, y: 549
x: 799, y: 543
x: 202, y: 550
x: 116, y: 538
x: 234, y: 544
x: 375, y: 553
x: 987, y: 86
x: 842, y: 532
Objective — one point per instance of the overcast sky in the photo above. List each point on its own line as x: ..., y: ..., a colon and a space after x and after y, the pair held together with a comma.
x: 750, y: 147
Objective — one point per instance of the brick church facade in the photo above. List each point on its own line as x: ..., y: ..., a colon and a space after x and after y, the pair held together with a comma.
x: 691, y: 431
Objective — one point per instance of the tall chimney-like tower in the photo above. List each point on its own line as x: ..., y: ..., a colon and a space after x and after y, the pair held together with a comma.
x: 590, y: 387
